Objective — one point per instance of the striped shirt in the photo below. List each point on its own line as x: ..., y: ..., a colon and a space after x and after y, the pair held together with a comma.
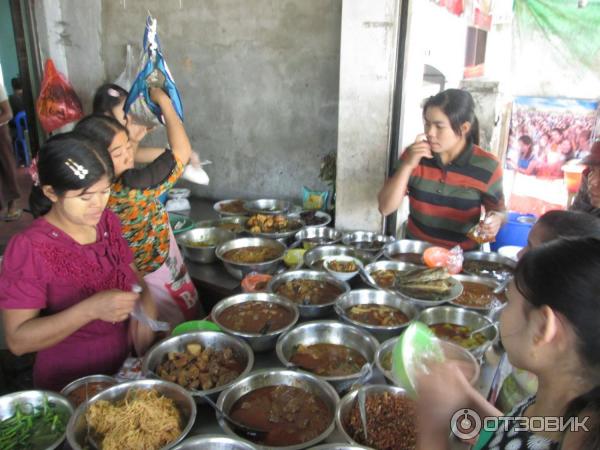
x: 446, y: 200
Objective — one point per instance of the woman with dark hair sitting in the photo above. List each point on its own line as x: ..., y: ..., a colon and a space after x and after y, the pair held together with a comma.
x: 549, y: 327
x: 67, y: 281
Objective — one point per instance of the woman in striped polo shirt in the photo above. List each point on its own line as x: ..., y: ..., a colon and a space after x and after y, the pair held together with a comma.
x: 449, y: 179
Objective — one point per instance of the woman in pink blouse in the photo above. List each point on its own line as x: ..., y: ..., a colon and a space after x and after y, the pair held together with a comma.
x: 66, y: 281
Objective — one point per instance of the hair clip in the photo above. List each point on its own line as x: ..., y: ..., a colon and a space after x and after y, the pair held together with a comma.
x: 77, y: 169
x: 113, y: 92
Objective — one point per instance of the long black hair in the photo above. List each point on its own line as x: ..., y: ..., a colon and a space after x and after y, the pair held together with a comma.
x: 100, y: 128
x: 55, y: 161
x: 563, y: 274
x: 459, y: 106
x: 107, y: 97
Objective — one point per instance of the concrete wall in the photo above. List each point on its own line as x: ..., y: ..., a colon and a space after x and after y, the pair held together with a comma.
x: 367, y: 78
x: 258, y: 78
x: 8, y: 50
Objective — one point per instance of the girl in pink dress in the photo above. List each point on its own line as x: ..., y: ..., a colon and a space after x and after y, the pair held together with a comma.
x: 66, y: 281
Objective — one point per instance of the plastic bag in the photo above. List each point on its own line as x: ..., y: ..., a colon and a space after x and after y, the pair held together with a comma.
x: 127, y: 77
x: 58, y: 103
x: 441, y: 257
x: 152, y: 72
x: 477, y: 234
x: 314, y: 199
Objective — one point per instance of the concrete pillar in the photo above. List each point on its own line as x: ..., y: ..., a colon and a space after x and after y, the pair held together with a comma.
x: 368, y: 53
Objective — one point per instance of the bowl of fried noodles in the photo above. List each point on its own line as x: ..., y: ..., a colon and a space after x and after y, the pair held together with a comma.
x: 150, y: 414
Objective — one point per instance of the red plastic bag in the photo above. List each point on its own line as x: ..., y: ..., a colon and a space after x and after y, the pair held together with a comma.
x: 58, y: 103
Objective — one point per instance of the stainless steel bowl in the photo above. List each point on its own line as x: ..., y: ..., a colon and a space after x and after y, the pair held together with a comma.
x: 385, y: 265
x: 240, y: 270
x: 214, y: 442
x: 405, y: 246
x: 325, y: 236
x: 268, y: 206
x: 204, y: 255
x: 385, y: 349
x: 218, y: 207
x: 324, y: 217
x: 494, y: 308
x: 77, y: 429
x: 355, y: 238
x: 258, y: 342
x: 374, y: 296
x: 213, y: 339
x: 347, y: 402
x: 309, y: 311
x: 313, y: 259
x: 294, y: 225
x: 493, y: 257
x: 464, y: 317
x: 238, y: 221
x: 35, y: 398
x: 328, y: 332
x: 72, y: 386
x: 278, y: 377
x: 339, y: 447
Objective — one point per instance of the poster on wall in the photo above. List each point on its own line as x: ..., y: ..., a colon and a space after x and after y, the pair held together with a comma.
x: 548, y: 138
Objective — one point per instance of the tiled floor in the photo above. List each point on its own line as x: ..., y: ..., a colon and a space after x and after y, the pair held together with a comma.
x: 15, y: 372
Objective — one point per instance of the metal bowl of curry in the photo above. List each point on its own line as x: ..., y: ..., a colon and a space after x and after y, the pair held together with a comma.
x: 331, y: 350
x: 478, y: 294
x: 314, y: 258
x: 314, y: 292
x: 366, y: 243
x: 244, y: 255
x: 268, y: 206
x: 258, y: 318
x: 232, y: 207
x: 199, y: 244
x: 276, y: 400
x: 455, y: 325
x: 311, y: 237
x: 406, y: 250
x: 488, y: 264
x: 381, y: 313
x: 235, y: 224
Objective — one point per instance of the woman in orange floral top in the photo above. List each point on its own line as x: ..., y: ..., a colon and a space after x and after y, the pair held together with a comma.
x: 145, y: 223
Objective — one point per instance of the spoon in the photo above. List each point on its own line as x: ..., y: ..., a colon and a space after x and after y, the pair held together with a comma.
x: 239, y: 428
x: 479, y: 330
x: 363, y: 411
x: 502, y: 286
x: 265, y: 328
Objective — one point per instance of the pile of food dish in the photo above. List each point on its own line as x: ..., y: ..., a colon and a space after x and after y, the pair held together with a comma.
x: 200, y: 368
x: 309, y: 292
x: 143, y: 419
x: 248, y: 255
x: 256, y: 317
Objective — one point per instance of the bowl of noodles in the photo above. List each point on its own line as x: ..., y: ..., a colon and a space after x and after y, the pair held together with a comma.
x: 149, y: 414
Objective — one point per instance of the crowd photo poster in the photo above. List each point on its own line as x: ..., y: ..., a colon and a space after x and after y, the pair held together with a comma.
x: 548, y: 138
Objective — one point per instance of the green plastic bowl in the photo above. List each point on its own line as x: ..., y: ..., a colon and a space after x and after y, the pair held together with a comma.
x: 416, y: 344
x: 195, y: 325
x: 180, y: 224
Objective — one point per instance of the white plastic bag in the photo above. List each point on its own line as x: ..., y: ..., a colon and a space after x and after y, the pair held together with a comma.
x: 127, y: 77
